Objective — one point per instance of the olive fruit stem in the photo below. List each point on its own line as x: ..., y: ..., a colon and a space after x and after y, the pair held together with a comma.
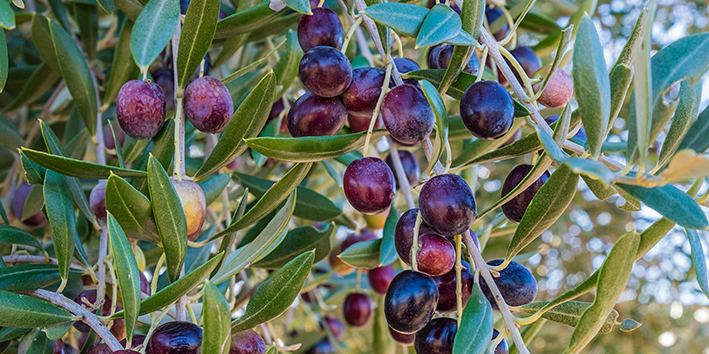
x: 77, y: 310
x: 458, y: 279
x: 404, y: 184
x: 520, y: 70
x: 481, y: 266
x: 415, y: 242
x: 179, y: 168
x: 378, y: 107
x: 350, y: 33
x: 494, y: 51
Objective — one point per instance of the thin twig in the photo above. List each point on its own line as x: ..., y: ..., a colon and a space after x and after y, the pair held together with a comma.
x: 404, y: 184
x: 101, y: 276
x: 179, y: 163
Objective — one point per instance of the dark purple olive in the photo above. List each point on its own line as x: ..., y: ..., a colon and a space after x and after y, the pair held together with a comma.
x: 406, y: 339
x: 380, y: 278
x: 407, y: 114
x: 405, y: 65
x: 447, y: 301
x: 208, y: 104
x: 502, y: 347
x: 325, y: 71
x: 102, y: 348
x: 437, y: 337
x: 410, y: 301
x: 322, y: 347
x: 358, y: 309
x: 336, y: 327
x: 579, y: 137
x: 362, y: 95
x: 410, y: 165
x: 19, y: 199
x: 176, y: 338
x: 487, y: 110
x: 517, y: 206
x: 369, y: 185
x: 140, y: 109
x: 97, y: 200
x: 361, y: 123
x: 436, y: 255
x: 312, y: 115
x: 447, y: 204
x: 322, y: 28
x: 404, y: 233
x: 492, y: 14
x: 516, y: 284
x: 439, y: 57
x: 247, y: 342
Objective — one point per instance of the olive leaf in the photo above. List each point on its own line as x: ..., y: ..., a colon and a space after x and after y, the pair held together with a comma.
x: 286, y: 68
x: 440, y: 24
x: 296, y: 242
x: 131, y: 209
x: 546, y: 207
x: 568, y: 313
x: 26, y: 277
x: 15, y: 236
x: 439, y: 109
x: 476, y: 324
x: 22, y: 311
x: 87, y: 18
x: 699, y: 260
x: 276, y: 294
x: 685, y: 115
x: 612, y: 279
x: 128, y: 275
x: 217, y: 321
x: 387, y: 251
x: 471, y: 15
x: 247, y: 21
x: 60, y: 213
x: 42, y: 79
x: 196, y: 37
x: 78, y: 168
x: 169, y: 218
x: 479, y: 147
x: 629, y: 325
x: 671, y: 203
x: 364, y: 254
x: 404, y: 19
x: 383, y: 343
x: 153, y: 29
x: 301, y: 6
x: 7, y: 20
x: 695, y: 138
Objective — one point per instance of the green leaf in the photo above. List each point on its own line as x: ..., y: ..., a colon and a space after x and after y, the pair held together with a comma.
x: 33, y: 204
x: 690, y: 97
x: 41, y: 80
x: 671, y: 202
x: 591, y: 84
x: 286, y: 68
x: 620, y: 77
x: 214, y: 186
x: 131, y: 8
x: 526, y: 145
x: 196, y: 37
x: 365, y: 254
x: 169, y: 218
x: 176, y: 289
x: 246, y: 123
x: 86, y: 16
x: 131, y: 209
x: 78, y: 168
x: 276, y: 294
x: 162, y: 148
x: 629, y: 325
x: 217, y: 321
x: 440, y: 24
x: 696, y: 136
x: 33, y: 172
x: 60, y: 213
x: 439, y: 109
x: 57, y: 331
x: 229, y: 48
x: 678, y: 61
x: 246, y: 21
x: 270, y: 237
x: 699, y: 260
x: 22, y: 311
x: 153, y: 29
x: 42, y: 39
x: 568, y: 313
x: 388, y: 254
x: 4, y: 61
x: 404, y: 19
x: 123, y: 67
x: 107, y: 5
x: 550, y: 145
x: 128, y: 275
x: 546, y: 207
x: 76, y: 74
x: 475, y: 330
x: 612, y: 279
x: 302, y: 6
x: 27, y: 277
x: 297, y: 241
x: 14, y: 236
x: 599, y: 188
x: 310, y: 148
x: 7, y: 19
x: 591, y: 168
x: 310, y: 205
x: 626, y: 55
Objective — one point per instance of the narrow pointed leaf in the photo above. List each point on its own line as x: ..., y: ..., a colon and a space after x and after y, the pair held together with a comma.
x: 286, y: 68
x: 86, y: 16
x: 11, y: 235
x: 301, y: 6
x: 246, y: 21
x: 546, y: 207
x: 312, y: 148
x: 475, y: 329
x: 153, y: 29
x: 671, y: 202
x: 297, y: 241
x: 629, y: 325
x: 388, y: 254
x: 687, y: 111
x: 217, y: 321
x: 696, y: 136
x: 196, y: 37
x: 276, y: 294
x: 612, y: 279
x: 439, y: 109
x: 169, y: 218
x: 60, y: 213
x: 246, y: 123
x: 699, y: 260
x: 568, y: 314
x: 7, y: 18
x: 128, y: 274
x: 27, y: 277
x: 131, y: 209
x: 4, y: 61
x: 107, y: 5
x: 78, y: 168
x: 620, y: 77
x: 440, y: 24
x: 23, y: 311
x: 404, y: 19
x: 591, y: 84
x: 41, y: 80
x: 214, y: 186
x: 42, y: 39
x: 365, y: 254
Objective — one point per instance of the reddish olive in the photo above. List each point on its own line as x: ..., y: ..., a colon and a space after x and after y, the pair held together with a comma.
x: 369, y: 185
x: 447, y: 204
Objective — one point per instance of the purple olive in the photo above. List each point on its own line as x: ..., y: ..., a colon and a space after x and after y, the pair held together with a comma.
x: 19, y: 199
x: 380, y: 278
x: 97, y: 200
x: 404, y: 233
x: 322, y: 28
x: 312, y: 115
x: 437, y: 337
x: 358, y: 309
x: 247, y: 342
x: 176, y: 338
x: 410, y: 301
x: 516, y: 284
x: 487, y: 110
x: 436, y: 255
x: 447, y: 204
x: 559, y: 89
x: 447, y: 299
x: 362, y: 95
x: 410, y: 165
x: 517, y: 206
x: 325, y: 71
x: 208, y: 104
x: 407, y: 114
x: 140, y: 109
x: 369, y: 185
